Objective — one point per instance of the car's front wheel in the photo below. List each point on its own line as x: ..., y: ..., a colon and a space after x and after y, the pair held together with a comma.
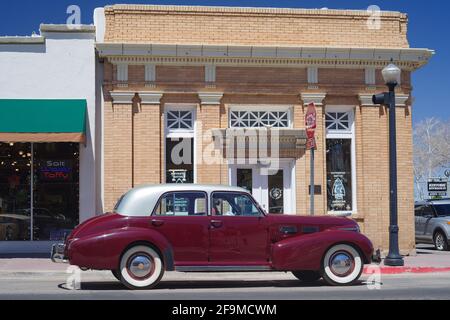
x: 307, y: 276
x: 141, y: 267
x: 440, y: 241
x: 342, y: 265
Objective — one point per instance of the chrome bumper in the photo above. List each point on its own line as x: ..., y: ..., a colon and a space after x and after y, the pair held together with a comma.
x: 57, y: 255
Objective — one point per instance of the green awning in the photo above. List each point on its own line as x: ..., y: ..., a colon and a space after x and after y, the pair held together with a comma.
x: 31, y: 120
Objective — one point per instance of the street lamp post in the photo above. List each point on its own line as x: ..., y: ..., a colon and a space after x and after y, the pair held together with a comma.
x: 391, y: 76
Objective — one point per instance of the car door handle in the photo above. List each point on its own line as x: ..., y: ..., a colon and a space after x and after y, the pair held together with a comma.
x: 157, y: 223
x: 216, y: 223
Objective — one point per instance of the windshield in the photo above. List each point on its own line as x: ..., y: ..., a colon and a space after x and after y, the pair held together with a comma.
x: 442, y: 210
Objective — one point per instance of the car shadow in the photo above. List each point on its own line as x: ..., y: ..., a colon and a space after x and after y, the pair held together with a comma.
x: 207, y: 284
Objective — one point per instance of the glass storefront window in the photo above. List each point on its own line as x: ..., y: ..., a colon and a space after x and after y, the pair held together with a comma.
x: 339, y: 174
x: 53, y: 212
x: 276, y: 197
x: 15, y: 192
x: 56, y: 189
x: 180, y: 160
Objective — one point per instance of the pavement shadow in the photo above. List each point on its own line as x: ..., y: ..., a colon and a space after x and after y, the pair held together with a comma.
x: 208, y: 284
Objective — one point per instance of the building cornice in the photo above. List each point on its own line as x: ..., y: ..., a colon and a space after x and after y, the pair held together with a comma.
x: 406, y: 58
x: 366, y: 100
x: 143, y: 8
x: 82, y: 28
x: 317, y: 98
x: 210, y: 98
x: 122, y: 97
x: 150, y: 97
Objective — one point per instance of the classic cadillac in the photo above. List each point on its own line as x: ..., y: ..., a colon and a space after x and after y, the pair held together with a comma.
x: 206, y: 228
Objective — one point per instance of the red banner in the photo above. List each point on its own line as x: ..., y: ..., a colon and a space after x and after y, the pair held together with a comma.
x: 311, y: 124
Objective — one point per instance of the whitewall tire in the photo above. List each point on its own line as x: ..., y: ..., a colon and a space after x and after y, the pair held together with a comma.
x: 342, y: 265
x: 141, y: 267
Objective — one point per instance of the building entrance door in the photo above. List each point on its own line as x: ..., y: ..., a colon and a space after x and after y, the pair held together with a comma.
x: 273, y: 190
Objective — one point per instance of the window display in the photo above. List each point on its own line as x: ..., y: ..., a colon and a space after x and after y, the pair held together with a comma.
x: 339, y: 175
x: 46, y: 201
x: 180, y: 160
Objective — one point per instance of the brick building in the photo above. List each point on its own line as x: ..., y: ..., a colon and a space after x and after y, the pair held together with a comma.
x: 177, y: 77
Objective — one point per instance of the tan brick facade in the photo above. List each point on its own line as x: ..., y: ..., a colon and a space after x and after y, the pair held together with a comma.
x: 134, y: 132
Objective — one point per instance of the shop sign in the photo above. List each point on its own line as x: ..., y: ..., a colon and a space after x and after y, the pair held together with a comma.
x: 55, y: 170
x: 437, y: 187
x: 338, y: 192
x: 178, y: 176
x: 311, y: 125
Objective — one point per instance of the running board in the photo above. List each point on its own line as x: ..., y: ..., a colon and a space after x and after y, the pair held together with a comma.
x: 222, y: 268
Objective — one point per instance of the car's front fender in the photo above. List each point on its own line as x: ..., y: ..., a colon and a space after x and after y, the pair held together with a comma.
x: 102, y: 251
x: 305, y: 252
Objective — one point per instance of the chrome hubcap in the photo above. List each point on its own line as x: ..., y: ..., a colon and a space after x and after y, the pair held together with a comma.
x: 341, y: 264
x: 439, y: 242
x: 140, y: 266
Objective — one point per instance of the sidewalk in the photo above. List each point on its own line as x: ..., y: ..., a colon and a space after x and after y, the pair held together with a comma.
x: 427, y: 260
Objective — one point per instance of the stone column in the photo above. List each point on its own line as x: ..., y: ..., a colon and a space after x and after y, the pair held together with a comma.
x: 373, y: 174
x: 147, y: 148
x: 209, y: 158
x: 117, y: 147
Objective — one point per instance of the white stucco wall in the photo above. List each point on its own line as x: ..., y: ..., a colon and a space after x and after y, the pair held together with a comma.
x: 63, y: 67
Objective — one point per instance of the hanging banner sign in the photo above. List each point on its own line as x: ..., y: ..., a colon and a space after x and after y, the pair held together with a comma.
x: 311, y: 125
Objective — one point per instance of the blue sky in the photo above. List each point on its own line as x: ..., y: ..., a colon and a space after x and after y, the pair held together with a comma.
x: 429, y: 27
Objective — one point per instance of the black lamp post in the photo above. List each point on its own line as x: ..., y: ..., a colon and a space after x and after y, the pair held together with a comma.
x: 391, y: 76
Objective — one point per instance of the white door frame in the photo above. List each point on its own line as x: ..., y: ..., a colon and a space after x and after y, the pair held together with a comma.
x: 260, y: 183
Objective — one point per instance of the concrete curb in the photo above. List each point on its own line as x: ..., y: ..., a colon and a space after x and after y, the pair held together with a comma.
x: 401, y: 270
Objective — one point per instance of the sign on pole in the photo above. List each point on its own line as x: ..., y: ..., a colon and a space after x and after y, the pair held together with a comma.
x: 437, y: 187
x: 311, y: 125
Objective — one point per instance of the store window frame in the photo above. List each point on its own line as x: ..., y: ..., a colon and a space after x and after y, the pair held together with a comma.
x: 346, y: 133
x: 261, y: 108
x: 172, y: 133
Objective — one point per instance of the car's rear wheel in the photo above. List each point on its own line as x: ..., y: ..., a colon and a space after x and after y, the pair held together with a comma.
x: 342, y: 265
x: 141, y: 267
x: 307, y: 276
x: 440, y: 241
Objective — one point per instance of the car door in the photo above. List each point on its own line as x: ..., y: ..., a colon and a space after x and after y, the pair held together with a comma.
x: 182, y: 218
x: 419, y: 223
x: 428, y: 220
x: 239, y: 232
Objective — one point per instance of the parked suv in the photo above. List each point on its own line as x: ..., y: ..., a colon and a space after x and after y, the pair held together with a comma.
x: 433, y: 223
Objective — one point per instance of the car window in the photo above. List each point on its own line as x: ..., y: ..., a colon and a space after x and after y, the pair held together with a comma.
x: 442, y: 210
x: 418, y: 211
x: 233, y: 204
x: 427, y: 211
x: 182, y: 204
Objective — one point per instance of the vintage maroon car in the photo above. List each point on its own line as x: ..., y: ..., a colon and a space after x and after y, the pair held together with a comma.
x: 204, y: 228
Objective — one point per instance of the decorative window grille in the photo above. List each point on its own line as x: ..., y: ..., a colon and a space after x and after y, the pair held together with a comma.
x: 338, y: 121
x: 257, y: 119
x: 180, y: 120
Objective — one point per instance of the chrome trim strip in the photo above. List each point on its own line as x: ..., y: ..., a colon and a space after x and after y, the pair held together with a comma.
x: 222, y: 268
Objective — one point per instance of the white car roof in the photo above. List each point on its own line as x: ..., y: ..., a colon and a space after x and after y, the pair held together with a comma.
x: 140, y: 201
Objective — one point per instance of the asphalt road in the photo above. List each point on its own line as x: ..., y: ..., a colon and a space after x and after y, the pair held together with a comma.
x: 224, y: 286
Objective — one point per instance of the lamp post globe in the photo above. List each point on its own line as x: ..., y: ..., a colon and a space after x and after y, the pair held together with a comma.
x: 391, y: 74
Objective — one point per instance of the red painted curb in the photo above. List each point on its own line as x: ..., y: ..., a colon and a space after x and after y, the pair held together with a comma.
x: 399, y: 270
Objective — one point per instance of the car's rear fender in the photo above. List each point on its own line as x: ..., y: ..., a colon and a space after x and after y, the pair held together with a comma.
x: 305, y: 252
x: 102, y: 251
